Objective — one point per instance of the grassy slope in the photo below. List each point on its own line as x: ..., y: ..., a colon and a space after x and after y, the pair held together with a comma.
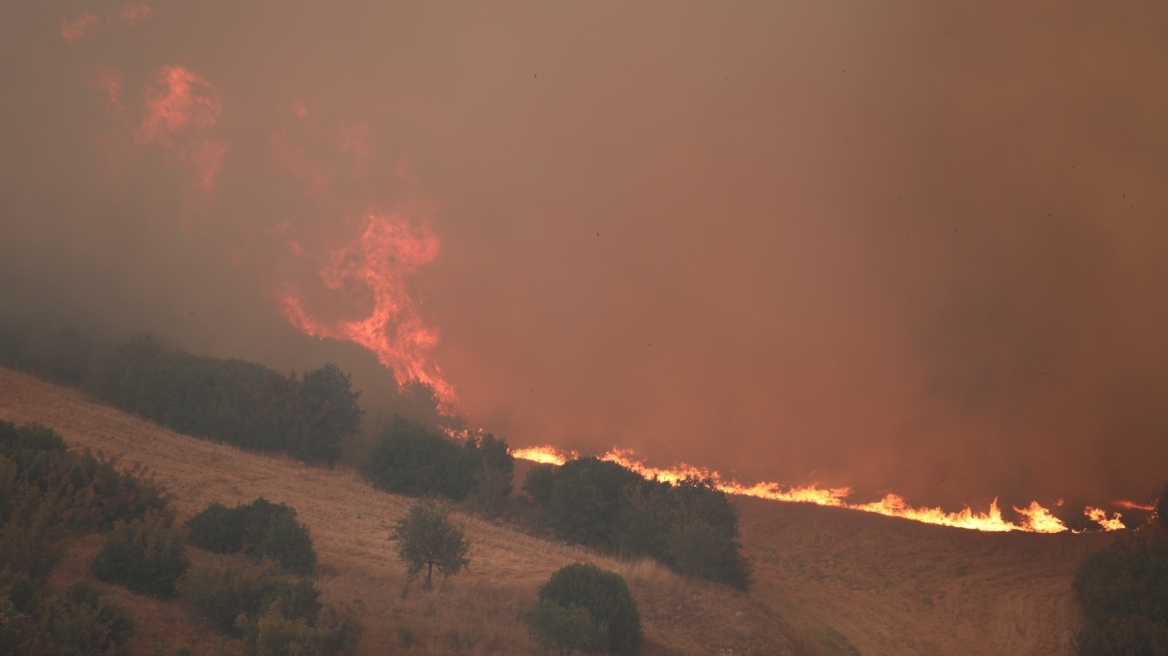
x: 476, y: 612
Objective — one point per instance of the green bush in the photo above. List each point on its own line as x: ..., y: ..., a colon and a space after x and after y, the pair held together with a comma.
x: 223, y: 594
x: 605, y: 596
x: 146, y: 556
x: 690, y: 526
x: 260, y: 529
x: 409, y: 459
x: 566, y: 629
x: 82, y: 621
x: 427, y: 541
x: 276, y: 634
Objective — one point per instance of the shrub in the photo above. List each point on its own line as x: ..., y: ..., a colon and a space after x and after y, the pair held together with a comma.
x: 223, y: 594
x: 426, y: 540
x: 275, y: 634
x: 83, y: 621
x: 146, y: 556
x: 260, y: 529
x: 1124, y: 594
x: 566, y: 629
x: 539, y: 482
x: 605, y: 596
x: 707, y: 552
x: 1162, y: 506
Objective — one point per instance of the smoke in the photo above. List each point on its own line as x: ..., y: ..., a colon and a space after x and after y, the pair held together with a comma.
x: 916, y: 249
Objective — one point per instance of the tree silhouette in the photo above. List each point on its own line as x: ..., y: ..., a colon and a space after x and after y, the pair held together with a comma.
x: 426, y: 540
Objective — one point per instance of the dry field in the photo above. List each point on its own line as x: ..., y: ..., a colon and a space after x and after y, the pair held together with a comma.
x: 844, y: 581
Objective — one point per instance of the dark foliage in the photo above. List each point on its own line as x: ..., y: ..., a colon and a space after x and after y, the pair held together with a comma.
x: 1162, y: 506
x: 223, y: 594
x: 1124, y: 593
x: 146, y: 556
x: 409, y: 459
x: 47, y: 491
x: 271, y: 614
x: 566, y: 629
x: 260, y: 529
x: 79, y: 621
x: 689, y: 526
x: 606, y: 598
x: 231, y: 401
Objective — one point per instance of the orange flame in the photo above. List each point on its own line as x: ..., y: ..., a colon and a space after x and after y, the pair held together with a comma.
x: 1035, y: 518
x: 178, y: 110
x: 382, y: 260
x: 134, y: 14
x: 1132, y: 505
x: 1099, y: 516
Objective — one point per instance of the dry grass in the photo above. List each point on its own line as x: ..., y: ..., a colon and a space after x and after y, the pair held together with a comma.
x: 897, y: 587
x: 477, y: 612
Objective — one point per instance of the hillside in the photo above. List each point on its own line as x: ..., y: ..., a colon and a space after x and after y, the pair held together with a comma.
x: 477, y: 612
x: 843, y: 580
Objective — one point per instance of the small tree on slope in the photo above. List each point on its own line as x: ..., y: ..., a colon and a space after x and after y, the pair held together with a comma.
x: 426, y: 540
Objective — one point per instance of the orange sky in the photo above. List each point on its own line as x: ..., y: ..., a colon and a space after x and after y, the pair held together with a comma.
x: 910, y: 248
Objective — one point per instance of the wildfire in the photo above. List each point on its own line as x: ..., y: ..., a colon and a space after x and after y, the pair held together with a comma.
x: 180, y: 108
x: 1035, y: 518
x: 382, y: 260
x: 1132, y: 505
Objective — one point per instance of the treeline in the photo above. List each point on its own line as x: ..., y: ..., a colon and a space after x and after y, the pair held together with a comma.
x: 226, y: 400
x: 49, y: 493
x: 410, y: 459
x: 690, y: 526
x: 1124, y: 593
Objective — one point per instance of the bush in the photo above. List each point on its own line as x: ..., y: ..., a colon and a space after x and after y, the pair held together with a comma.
x: 146, y: 556
x: 426, y: 540
x: 1124, y: 594
x: 604, y: 596
x: 275, y: 634
x: 409, y: 459
x: 1162, y: 506
x: 83, y: 621
x: 566, y: 629
x: 224, y: 594
x: 260, y: 529
x: 690, y: 526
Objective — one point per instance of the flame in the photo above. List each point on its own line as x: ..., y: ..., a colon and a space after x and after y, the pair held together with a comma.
x: 1035, y: 518
x: 382, y: 260
x: 179, y: 110
x: 1099, y: 516
x: 1132, y: 505
x: 76, y: 28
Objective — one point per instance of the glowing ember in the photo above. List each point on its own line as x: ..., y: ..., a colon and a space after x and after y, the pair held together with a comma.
x: 382, y: 260
x: 1099, y: 516
x: 1035, y: 518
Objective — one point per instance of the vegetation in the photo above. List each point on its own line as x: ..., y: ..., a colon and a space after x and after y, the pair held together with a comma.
x: 1162, y: 506
x: 426, y: 540
x: 260, y: 529
x: 231, y: 401
x: 613, y: 623
x: 409, y: 459
x: 1124, y: 594
x: 270, y: 614
x: 689, y: 526
x: 147, y: 556
x: 79, y: 621
x: 566, y: 629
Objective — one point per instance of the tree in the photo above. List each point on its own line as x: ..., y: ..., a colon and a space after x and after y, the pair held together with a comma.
x: 606, y: 598
x: 328, y: 413
x: 426, y: 540
x: 566, y: 629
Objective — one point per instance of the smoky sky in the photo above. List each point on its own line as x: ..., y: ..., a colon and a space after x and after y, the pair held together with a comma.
x: 915, y: 247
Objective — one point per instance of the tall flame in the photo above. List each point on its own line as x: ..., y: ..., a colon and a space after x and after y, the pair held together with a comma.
x: 1035, y: 518
x: 382, y: 259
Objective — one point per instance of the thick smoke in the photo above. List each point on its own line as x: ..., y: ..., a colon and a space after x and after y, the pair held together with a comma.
x: 915, y: 248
